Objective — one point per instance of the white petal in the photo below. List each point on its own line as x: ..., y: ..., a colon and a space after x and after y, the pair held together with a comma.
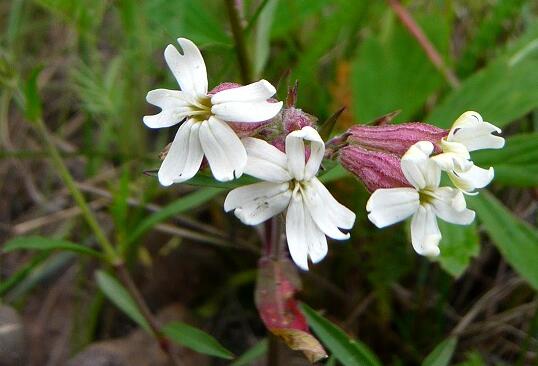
x: 295, y: 151
x: 264, y: 161
x: 315, y: 239
x: 342, y: 216
x: 246, y: 111
x: 470, y: 130
x: 255, y: 203
x: 184, y: 156
x: 175, y: 107
x: 224, y: 151
x: 449, y: 204
x: 418, y: 168
x: 388, y: 206
x: 295, y: 231
x: 454, y: 156
x: 320, y: 205
x: 188, y: 69
x: 425, y: 234
x: 259, y: 91
x: 471, y: 179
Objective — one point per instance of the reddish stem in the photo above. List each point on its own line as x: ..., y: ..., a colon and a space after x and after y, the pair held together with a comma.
x: 430, y: 50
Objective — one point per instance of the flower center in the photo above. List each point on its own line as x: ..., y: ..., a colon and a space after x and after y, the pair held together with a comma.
x: 201, y: 109
x: 426, y: 196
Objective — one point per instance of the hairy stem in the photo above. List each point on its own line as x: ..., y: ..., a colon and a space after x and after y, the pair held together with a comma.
x: 239, y: 40
x: 414, y: 29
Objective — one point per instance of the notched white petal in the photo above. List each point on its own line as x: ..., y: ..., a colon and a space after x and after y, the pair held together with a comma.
x: 259, y: 91
x: 264, y: 161
x: 295, y: 151
x: 470, y: 130
x: 470, y: 180
x: 425, y: 233
x: 188, y: 68
x: 224, y: 151
x: 449, y: 205
x: 246, y: 111
x: 295, y: 232
x: 184, y: 156
x: 255, y: 203
x: 391, y: 205
x: 415, y: 165
x: 324, y: 210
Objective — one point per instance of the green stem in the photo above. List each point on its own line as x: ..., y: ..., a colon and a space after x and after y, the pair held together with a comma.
x: 239, y: 40
x: 69, y: 182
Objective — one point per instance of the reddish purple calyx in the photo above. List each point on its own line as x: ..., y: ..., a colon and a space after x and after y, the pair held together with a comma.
x: 395, y: 139
x: 374, y: 168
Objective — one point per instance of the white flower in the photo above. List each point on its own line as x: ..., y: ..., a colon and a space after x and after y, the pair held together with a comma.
x: 468, y: 133
x: 205, y: 132
x: 424, y: 202
x: 290, y: 185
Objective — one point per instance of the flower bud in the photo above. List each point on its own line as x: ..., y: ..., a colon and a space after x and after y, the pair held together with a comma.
x: 374, y: 169
x: 395, y: 139
x: 242, y: 129
x: 294, y: 119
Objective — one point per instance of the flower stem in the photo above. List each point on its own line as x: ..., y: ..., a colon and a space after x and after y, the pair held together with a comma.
x: 69, y: 182
x: 430, y: 50
x: 239, y: 40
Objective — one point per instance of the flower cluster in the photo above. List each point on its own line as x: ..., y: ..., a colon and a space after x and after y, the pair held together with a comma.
x: 243, y: 129
x: 396, y: 164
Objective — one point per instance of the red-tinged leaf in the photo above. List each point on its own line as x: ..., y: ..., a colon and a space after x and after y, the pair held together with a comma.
x: 275, y: 289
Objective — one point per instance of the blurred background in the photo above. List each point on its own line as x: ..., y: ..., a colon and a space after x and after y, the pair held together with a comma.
x: 84, y: 68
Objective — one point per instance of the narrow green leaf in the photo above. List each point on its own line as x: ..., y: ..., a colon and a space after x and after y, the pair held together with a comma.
x: 119, y: 296
x: 204, y: 180
x: 516, y: 240
x: 196, y: 340
x: 183, y: 204
x: 348, y: 351
x: 32, y: 100
x: 441, y: 354
x: 252, y: 354
x: 458, y: 245
x: 43, y: 243
x: 263, y: 33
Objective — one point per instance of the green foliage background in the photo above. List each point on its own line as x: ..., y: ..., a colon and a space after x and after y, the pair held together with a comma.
x: 85, y: 67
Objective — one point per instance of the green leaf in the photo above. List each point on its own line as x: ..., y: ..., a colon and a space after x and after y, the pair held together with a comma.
x: 385, y: 70
x: 516, y: 240
x: 42, y: 243
x: 252, y: 354
x: 119, y: 296
x: 458, y: 245
x: 348, y: 351
x: 196, y: 340
x: 32, y: 100
x: 263, y: 33
x: 502, y: 92
x: 183, y: 204
x: 204, y: 180
x: 441, y: 354
x: 516, y: 164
